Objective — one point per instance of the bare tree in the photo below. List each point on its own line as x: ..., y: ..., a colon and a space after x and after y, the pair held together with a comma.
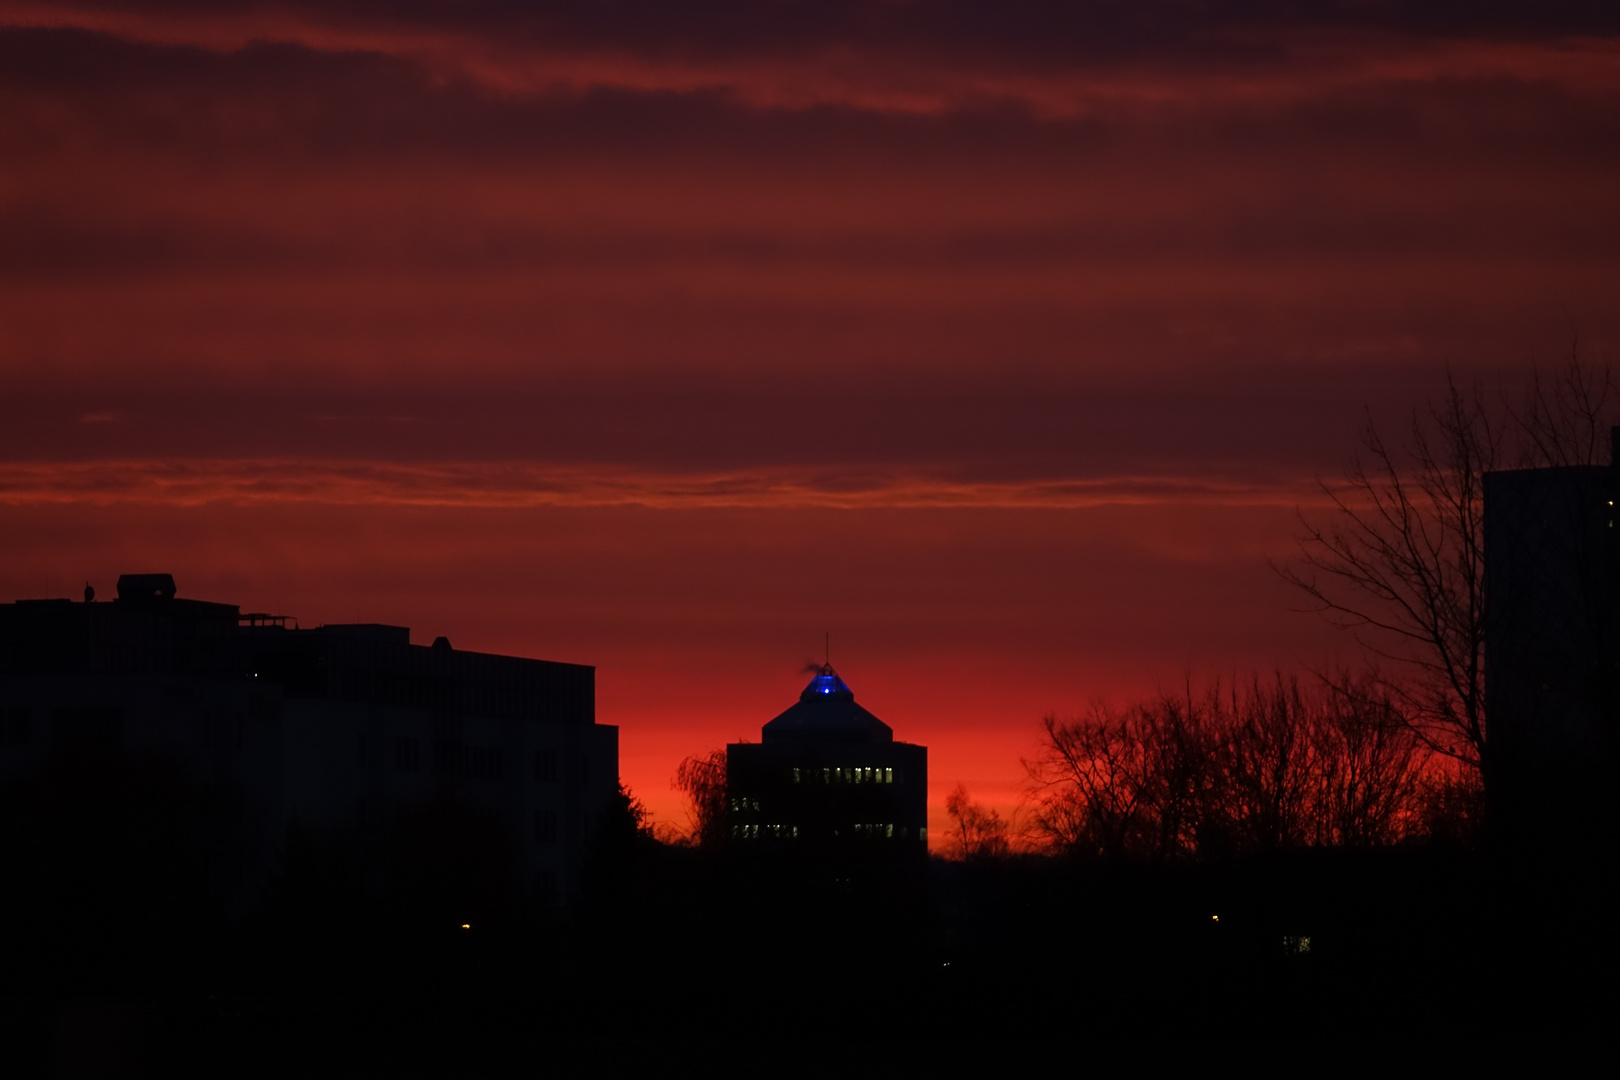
x: 977, y: 833
x: 1270, y: 763
x: 1399, y: 561
x: 1252, y: 767
x: 703, y: 781
x: 1370, y: 769
x: 1092, y: 784
x: 1115, y: 784
x: 1566, y: 415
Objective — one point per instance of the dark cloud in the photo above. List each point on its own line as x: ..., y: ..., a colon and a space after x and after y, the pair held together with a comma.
x: 1017, y: 32
x: 976, y: 429
x: 71, y: 90
x: 43, y: 243
x: 289, y: 231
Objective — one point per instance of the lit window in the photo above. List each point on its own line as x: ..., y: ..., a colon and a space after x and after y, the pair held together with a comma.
x: 888, y: 832
x: 888, y: 776
x: 795, y: 776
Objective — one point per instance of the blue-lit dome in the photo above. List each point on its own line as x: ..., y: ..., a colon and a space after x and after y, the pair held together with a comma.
x: 826, y: 712
x: 825, y: 683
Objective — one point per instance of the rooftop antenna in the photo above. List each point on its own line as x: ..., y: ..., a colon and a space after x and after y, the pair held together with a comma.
x: 826, y: 644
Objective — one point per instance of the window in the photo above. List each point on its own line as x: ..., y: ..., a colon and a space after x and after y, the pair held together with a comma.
x: 545, y: 766
x: 482, y: 762
x: 545, y: 826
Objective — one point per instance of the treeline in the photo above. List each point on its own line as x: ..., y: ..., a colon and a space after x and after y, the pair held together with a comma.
x: 1237, y: 769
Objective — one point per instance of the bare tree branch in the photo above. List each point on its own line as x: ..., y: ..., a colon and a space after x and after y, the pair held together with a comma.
x: 1399, y: 560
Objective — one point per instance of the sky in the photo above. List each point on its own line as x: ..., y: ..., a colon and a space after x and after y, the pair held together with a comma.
x: 1005, y: 343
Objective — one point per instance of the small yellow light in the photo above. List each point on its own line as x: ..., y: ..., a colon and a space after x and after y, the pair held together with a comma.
x: 466, y: 926
x: 1214, y: 918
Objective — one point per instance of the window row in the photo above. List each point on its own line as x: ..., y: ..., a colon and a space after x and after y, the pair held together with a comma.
x: 547, y: 823
x: 843, y: 775
x: 884, y: 831
x: 449, y: 759
x: 546, y: 767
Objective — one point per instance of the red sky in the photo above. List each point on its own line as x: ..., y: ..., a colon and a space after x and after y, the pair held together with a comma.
x: 999, y: 340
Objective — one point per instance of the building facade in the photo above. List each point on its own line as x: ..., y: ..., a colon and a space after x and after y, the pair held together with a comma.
x: 1552, y: 652
x: 827, y: 776
x: 331, y: 727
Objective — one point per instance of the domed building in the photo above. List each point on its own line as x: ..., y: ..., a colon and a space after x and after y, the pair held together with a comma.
x: 827, y: 774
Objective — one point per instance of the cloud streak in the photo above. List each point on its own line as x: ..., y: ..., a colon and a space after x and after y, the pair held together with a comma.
x: 911, y: 58
x: 528, y: 485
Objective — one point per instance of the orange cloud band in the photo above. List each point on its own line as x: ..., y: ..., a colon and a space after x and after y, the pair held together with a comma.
x: 517, y: 485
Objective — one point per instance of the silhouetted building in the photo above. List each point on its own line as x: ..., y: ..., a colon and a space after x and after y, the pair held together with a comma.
x: 328, y: 727
x: 1552, y: 567
x: 827, y: 776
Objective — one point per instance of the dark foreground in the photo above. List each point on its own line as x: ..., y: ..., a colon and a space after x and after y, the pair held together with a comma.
x: 692, y: 960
